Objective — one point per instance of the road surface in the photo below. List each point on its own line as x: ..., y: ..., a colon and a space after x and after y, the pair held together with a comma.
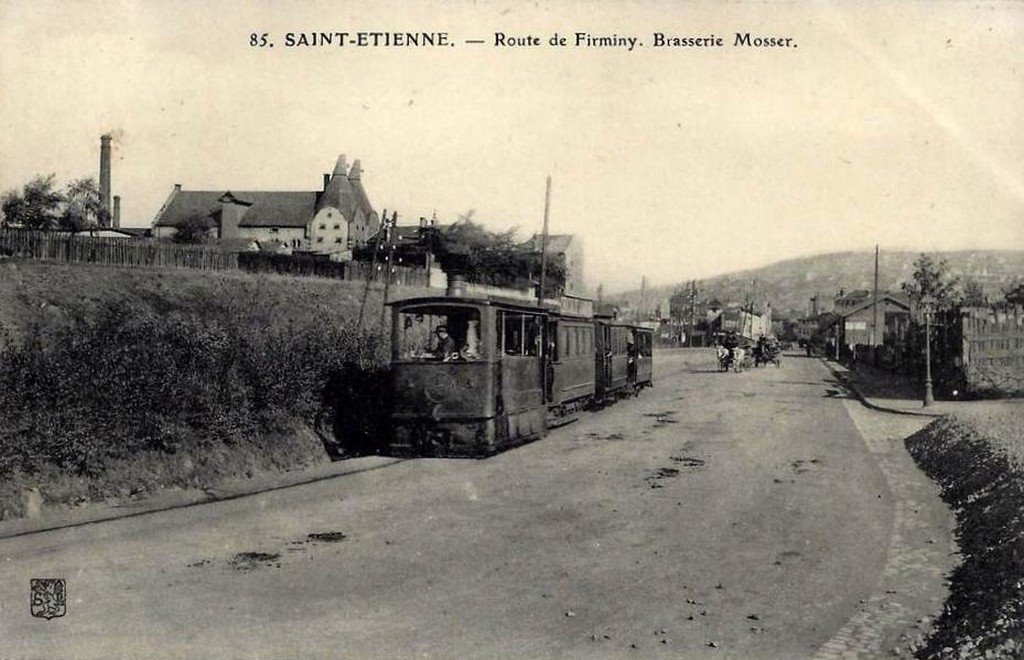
x: 758, y: 514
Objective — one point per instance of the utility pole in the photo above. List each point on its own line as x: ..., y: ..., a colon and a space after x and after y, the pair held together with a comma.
x: 373, y: 269
x: 693, y: 311
x: 390, y: 231
x: 544, y: 244
x: 643, y: 297
x: 874, y: 314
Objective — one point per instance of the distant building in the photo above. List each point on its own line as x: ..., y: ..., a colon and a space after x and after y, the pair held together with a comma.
x: 330, y: 221
x: 857, y: 322
x: 567, y: 248
x: 844, y: 302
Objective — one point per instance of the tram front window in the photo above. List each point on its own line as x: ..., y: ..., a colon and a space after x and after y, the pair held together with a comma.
x: 438, y: 334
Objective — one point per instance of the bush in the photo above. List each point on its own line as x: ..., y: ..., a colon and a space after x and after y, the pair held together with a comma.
x: 103, y: 383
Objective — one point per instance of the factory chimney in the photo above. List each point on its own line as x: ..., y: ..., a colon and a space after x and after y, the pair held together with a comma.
x: 116, y: 216
x: 105, y: 177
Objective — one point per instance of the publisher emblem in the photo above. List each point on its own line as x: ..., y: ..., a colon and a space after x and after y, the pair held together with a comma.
x: 48, y: 597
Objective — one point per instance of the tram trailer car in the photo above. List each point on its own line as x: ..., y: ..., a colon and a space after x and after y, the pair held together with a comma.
x: 519, y: 368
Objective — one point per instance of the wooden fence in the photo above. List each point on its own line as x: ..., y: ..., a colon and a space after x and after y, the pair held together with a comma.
x: 62, y: 246
x: 308, y: 265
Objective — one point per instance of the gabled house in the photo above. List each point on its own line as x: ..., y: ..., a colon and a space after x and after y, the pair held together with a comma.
x: 329, y: 221
x: 860, y: 325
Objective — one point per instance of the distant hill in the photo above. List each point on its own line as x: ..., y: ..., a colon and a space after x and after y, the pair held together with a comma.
x: 789, y: 284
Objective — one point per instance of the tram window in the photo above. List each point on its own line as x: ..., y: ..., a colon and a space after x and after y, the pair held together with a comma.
x: 419, y: 339
x: 533, y: 335
x: 521, y: 334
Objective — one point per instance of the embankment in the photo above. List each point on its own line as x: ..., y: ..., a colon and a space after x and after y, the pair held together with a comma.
x: 977, y: 459
x: 118, y: 382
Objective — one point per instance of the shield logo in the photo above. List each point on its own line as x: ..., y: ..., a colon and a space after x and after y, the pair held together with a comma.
x: 48, y: 598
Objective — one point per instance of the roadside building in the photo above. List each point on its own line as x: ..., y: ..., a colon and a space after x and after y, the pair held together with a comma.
x: 743, y: 322
x: 861, y: 325
x: 330, y: 221
x: 567, y: 249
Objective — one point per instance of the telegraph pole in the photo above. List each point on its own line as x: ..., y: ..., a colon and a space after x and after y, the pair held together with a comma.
x: 874, y: 315
x: 389, y: 236
x: 693, y: 311
x: 372, y: 270
x: 544, y: 244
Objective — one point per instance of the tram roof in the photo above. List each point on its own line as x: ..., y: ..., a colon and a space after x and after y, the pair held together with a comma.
x: 553, y: 307
x: 494, y: 301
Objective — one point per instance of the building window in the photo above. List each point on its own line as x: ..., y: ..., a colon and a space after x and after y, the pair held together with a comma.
x: 337, y: 240
x: 273, y: 230
x: 337, y: 226
x: 319, y: 239
x: 323, y: 226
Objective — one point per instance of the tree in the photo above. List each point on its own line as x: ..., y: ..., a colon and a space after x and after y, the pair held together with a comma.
x: 35, y: 207
x: 1014, y: 294
x: 83, y: 206
x: 193, y: 229
x: 932, y: 279
x: 974, y: 294
x: 482, y: 256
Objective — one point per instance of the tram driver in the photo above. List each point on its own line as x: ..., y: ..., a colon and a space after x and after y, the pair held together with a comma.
x: 445, y: 349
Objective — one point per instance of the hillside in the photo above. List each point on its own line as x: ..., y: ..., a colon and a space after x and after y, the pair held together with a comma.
x: 789, y: 284
x: 119, y: 381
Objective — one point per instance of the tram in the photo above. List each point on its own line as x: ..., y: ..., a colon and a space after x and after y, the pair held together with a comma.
x: 474, y: 373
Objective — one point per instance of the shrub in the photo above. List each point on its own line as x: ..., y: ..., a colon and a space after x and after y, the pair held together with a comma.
x: 195, y: 373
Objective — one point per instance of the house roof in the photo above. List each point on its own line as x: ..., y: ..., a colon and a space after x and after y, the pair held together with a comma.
x: 133, y: 231
x: 345, y: 192
x: 557, y: 243
x: 265, y: 208
x: 272, y: 246
x: 900, y: 299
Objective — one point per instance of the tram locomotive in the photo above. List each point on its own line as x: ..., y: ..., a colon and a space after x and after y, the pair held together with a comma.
x: 475, y: 373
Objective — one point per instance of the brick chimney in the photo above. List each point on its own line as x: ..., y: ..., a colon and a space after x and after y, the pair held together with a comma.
x: 105, y: 177
x: 116, y: 217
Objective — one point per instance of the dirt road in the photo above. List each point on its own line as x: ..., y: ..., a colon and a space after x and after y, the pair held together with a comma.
x: 759, y: 514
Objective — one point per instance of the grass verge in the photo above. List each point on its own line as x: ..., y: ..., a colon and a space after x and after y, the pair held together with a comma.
x: 116, y: 382
x: 977, y: 461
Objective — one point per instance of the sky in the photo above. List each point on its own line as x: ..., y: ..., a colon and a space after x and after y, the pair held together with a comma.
x: 890, y: 123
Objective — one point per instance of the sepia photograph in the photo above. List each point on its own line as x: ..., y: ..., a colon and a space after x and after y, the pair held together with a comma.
x: 489, y: 329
